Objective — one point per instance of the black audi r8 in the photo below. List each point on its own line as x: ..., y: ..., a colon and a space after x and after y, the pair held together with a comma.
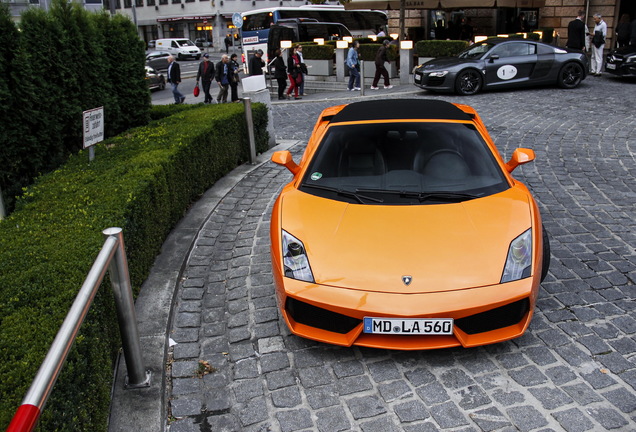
x: 503, y: 63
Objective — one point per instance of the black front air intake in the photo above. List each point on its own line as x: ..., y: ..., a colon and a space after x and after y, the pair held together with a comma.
x: 313, y: 316
x: 494, y: 319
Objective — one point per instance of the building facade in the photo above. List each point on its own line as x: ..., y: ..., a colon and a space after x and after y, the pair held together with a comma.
x: 211, y: 20
x: 542, y: 14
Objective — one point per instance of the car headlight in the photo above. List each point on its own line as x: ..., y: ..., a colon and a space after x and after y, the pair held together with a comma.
x: 438, y: 74
x: 630, y: 59
x: 295, y: 259
x: 519, y: 260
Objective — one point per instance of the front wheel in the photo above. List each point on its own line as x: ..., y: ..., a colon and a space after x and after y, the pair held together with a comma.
x: 570, y: 75
x: 468, y: 82
x: 162, y: 84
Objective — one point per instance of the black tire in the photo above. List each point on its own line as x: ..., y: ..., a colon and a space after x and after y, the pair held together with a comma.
x: 198, y: 57
x: 468, y: 82
x: 546, y: 254
x: 179, y: 57
x: 162, y: 84
x: 570, y: 75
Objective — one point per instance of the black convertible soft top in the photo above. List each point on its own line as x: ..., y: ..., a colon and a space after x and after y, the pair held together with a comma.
x: 400, y: 109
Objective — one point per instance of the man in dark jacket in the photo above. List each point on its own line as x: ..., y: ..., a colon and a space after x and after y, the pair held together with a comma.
x: 222, y: 77
x: 576, y: 32
x: 256, y: 63
x: 380, y: 58
x: 206, y: 74
x: 174, y: 78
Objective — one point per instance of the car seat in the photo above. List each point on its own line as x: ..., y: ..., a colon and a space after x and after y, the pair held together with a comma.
x: 361, y: 158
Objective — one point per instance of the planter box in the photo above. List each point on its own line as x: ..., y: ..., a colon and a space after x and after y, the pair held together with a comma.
x: 320, y: 67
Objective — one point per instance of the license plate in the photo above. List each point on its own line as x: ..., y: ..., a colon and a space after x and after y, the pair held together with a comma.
x: 610, y: 66
x: 409, y: 326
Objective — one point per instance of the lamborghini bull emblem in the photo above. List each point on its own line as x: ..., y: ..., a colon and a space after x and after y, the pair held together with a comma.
x: 407, y: 280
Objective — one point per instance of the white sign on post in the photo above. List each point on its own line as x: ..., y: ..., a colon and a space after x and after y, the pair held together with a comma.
x: 93, y: 121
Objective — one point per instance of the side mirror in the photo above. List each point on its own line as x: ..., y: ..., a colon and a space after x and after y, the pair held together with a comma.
x: 285, y: 159
x: 494, y: 57
x: 519, y: 157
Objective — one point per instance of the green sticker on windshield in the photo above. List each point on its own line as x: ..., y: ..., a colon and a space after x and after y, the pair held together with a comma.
x: 316, y: 176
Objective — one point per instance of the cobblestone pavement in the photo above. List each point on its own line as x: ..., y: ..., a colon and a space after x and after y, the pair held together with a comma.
x: 574, y: 370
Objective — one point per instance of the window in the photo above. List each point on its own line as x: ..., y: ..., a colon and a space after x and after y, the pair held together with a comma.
x: 139, y: 3
x: 176, y: 1
x: 127, y: 4
x: 151, y: 2
x: 515, y: 49
x: 163, y: 2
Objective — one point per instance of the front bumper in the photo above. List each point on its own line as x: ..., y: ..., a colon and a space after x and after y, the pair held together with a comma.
x: 423, y: 80
x: 334, y: 315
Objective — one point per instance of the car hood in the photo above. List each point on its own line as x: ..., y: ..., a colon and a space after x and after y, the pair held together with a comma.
x: 373, y: 247
x: 446, y: 63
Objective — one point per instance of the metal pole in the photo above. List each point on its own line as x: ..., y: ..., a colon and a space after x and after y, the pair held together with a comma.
x: 125, y: 305
x: 250, y: 129
x: 361, y: 77
x: 35, y: 399
x: 91, y: 153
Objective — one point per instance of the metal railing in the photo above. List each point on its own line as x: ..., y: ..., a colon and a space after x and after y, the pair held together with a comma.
x: 111, y: 258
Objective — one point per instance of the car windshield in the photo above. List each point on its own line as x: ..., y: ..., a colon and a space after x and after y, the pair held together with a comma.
x: 185, y: 42
x: 403, y: 163
x: 476, y: 50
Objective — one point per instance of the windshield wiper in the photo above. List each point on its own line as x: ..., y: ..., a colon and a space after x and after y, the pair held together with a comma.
x: 425, y: 196
x: 347, y: 193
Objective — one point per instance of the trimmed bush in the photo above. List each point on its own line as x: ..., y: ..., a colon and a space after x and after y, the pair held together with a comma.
x: 439, y: 48
x: 313, y: 51
x: 142, y: 181
x: 367, y: 52
x: 86, y: 60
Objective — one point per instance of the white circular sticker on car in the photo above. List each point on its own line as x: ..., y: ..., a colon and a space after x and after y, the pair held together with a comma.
x: 507, y: 72
x: 316, y: 176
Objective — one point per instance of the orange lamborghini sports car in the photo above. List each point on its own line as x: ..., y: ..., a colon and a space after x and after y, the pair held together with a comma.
x: 403, y: 229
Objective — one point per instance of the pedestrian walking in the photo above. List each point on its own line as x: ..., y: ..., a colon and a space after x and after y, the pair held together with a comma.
x: 576, y: 32
x: 280, y: 73
x: 380, y: 70
x: 234, y: 77
x: 256, y: 63
x: 206, y: 76
x: 228, y: 42
x: 303, y: 70
x: 174, y: 78
x: 598, y: 44
x: 353, y: 64
x: 295, y: 74
x: 222, y: 77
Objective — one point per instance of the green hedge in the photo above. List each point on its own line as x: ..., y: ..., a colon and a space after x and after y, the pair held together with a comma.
x: 63, y: 61
x: 439, y: 48
x: 313, y: 51
x: 142, y: 181
x: 367, y: 52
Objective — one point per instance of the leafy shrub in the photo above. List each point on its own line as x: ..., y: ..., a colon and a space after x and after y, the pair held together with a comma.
x: 141, y: 181
x: 439, y: 48
x: 367, y: 52
x: 313, y: 51
x: 86, y: 60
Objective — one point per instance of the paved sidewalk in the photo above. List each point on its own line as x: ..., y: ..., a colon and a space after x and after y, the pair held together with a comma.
x: 211, y: 296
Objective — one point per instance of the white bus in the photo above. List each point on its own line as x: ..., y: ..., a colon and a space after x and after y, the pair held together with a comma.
x: 256, y: 23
